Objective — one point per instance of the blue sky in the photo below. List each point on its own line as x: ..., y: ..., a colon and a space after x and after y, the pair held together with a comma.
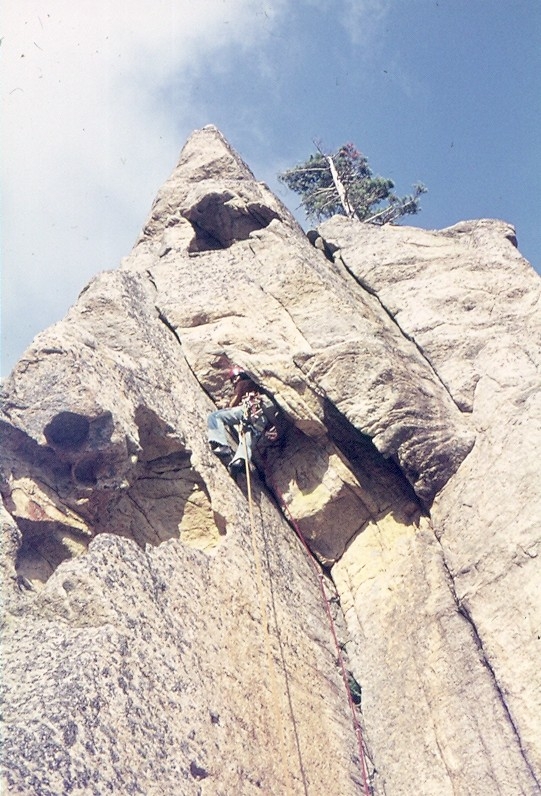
x: 99, y: 97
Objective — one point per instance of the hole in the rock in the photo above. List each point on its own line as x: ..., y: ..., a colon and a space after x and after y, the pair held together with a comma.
x: 167, y: 499
x: 204, y: 241
x: 67, y: 430
x: 85, y: 472
x: 221, y: 219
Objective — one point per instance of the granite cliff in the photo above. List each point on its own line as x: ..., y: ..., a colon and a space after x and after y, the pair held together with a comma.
x: 160, y: 637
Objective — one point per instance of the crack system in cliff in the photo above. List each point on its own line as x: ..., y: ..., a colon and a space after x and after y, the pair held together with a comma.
x: 335, y: 255
x: 467, y: 617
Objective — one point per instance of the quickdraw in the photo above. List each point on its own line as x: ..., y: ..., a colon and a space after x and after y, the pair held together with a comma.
x: 261, y: 414
x: 252, y: 405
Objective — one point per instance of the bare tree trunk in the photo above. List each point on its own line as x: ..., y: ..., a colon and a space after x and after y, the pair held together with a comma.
x: 340, y: 189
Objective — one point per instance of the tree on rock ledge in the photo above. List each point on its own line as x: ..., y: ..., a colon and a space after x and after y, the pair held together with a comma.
x: 343, y: 184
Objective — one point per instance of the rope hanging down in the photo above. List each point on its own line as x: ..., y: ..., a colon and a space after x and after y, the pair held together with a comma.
x: 268, y: 650
x: 265, y: 624
x: 339, y: 656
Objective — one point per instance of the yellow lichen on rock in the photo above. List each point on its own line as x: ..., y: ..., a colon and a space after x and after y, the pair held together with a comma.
x: 197, y: 527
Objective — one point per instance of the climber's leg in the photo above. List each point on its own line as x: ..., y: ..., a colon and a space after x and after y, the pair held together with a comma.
x: 217, y: 424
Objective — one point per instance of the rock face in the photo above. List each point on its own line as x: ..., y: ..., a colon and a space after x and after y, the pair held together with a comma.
x: 162, y: 633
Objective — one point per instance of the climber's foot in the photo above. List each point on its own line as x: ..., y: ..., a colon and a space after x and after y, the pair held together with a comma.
x: 236, y: 467
x: 223, y: 451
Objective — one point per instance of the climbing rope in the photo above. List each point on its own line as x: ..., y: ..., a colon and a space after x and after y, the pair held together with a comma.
x: 265, y: 623
x: 339, y: 656
x: 264, y: 615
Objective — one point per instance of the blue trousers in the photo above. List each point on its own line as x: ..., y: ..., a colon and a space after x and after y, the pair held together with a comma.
x: 223, y: 419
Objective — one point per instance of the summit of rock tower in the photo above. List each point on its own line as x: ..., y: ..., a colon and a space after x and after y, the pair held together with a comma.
x: 166, y: 627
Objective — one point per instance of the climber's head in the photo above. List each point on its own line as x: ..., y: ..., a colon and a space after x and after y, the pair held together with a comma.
x: 238, y: 374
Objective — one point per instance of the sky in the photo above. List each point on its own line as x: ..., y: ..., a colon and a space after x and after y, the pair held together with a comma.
x: 98, y: 98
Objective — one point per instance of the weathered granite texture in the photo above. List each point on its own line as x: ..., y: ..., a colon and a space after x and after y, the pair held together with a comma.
x: 471, y: 304
x: 156, y: 641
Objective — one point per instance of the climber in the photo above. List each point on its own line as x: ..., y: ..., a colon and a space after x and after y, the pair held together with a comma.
x: 251, y: 411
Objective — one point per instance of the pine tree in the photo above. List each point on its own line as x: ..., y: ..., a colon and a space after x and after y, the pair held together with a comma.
x: 343, y: 184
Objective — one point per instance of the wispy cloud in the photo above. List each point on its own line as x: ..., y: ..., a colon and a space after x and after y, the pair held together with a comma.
x: 86, y: 140
x: 364, y: 20
x: 91, y: 125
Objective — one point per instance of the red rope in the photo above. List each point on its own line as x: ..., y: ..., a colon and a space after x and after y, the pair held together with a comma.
x: 340, y: 657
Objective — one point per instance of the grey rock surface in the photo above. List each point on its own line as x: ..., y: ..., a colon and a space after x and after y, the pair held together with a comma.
x: 160, y: 637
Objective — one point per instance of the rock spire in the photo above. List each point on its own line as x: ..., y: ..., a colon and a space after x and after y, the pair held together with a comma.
x: 158, y: 641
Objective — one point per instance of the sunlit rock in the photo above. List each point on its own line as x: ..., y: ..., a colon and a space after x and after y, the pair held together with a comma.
x: 163, y: 633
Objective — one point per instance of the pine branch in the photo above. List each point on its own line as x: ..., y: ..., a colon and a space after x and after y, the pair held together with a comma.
x: 301, y: 170
x: 351, y: 189
x: 377, y: 215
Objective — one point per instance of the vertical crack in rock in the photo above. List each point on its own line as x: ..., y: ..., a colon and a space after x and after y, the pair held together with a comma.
x: 156, y: 653
x: 336, y: 484
x: 465, y: 614
x: 337, y: 256
x: 165, y: 320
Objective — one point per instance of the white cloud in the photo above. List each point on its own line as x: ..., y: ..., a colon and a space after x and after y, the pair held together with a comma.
x: 89, y: 131
x: 85, y: 139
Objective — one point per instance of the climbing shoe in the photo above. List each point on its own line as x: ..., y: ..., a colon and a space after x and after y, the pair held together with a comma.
x: 236, y: 467
x: 221, y: 450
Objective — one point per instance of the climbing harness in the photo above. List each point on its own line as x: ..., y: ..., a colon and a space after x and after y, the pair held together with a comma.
x: 263, y: 609
x: 261, y: 414
x: 252, y: 405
